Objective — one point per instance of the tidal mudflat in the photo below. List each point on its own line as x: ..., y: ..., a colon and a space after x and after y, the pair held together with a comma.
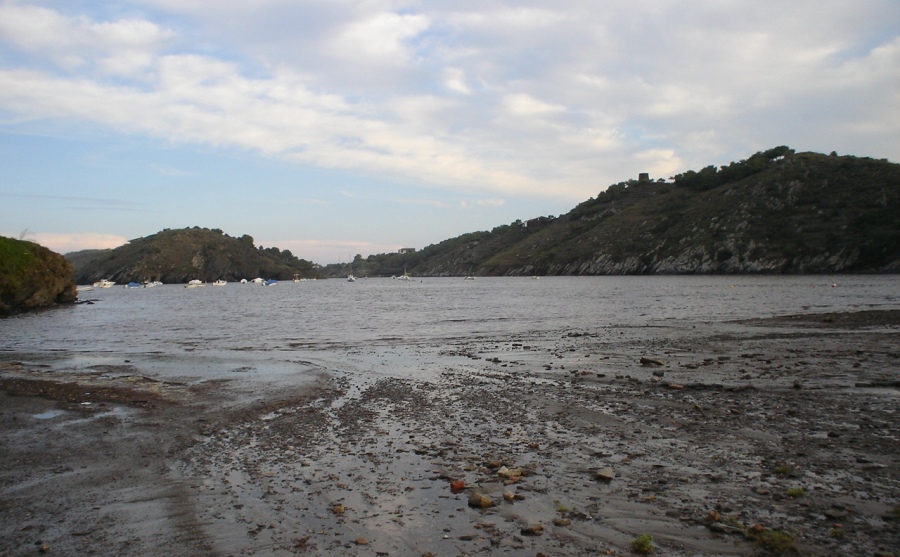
x: 769, y: 436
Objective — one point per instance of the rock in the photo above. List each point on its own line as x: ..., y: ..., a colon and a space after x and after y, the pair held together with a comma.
x: 361, y: 541
x: 836, y: 514
x: 509, y: 496
x: 532, y: 530
x: 32, y: 276
x: 508, y: 473
x: 480, y: 501
x: 645, y: 361
x: 457, y: 486
x: 338, y: 509
x: 561, y: 522
x: 605, y: 474
x: 658, y: 373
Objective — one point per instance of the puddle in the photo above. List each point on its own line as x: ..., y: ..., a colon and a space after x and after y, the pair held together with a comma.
x: 48, y: 415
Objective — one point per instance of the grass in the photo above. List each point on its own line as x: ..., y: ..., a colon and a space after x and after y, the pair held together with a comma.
x: 642, y: 544
x: 795, y: 492
x: 782, y: 470
x: 776, y: 541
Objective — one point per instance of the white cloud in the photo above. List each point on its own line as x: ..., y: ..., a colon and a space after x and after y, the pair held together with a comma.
x: 380, y: 38
x: 522, y: 104
x: 122, y: 47
x: 490, y: 98
x: 65, y: 243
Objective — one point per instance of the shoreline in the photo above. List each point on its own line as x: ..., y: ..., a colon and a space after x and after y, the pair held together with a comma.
x: 770, y: 435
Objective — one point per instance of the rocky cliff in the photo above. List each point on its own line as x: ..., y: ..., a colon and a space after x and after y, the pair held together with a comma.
x: 32, y: 276
x: 776, y: 212
x: 181, y: 255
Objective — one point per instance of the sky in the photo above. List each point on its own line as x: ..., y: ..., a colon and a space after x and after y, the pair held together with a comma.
x: 340, y: 127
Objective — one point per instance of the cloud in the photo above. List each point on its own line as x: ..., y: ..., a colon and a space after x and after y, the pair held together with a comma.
x: 65, y: 243
x: 476, y: 98
x: 123, y: 46
x: 328, y: 251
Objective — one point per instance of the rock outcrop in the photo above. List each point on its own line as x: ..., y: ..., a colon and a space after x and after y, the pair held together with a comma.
x: 32, y: 276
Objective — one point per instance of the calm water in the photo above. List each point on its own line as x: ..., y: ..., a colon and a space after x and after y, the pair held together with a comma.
x: 226, y: 327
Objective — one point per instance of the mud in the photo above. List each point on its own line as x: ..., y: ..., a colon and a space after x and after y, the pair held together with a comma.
x: 771, y: 436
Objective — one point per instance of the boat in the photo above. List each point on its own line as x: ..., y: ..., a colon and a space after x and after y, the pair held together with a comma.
x: 133, y: 285
x: 270, y: 282
x: 152, y: 283
x: 351, y: 278
x: 104, y: 284
x: 220, y: 282
x: 194, y: 284
x: 243, y: 281
x: 258, y: 280
x: 469, y: 277
x: 405, y: 276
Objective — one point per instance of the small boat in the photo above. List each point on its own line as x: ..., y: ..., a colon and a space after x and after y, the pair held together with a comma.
x: 469, y: 277
x: 405, y: 276
x: 104, y: 284
x: 133, y: 285
x: 152, y: 283
x: 351, y: 278
x: 220, y: 282
x: 258, y: 280
x: 243, y: 281
x: 194, y: 284
x: 270, y: 282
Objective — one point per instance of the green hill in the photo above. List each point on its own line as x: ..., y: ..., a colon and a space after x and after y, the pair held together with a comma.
x: 178, y: 256
x: 776, y: 212
x: 32, y: 276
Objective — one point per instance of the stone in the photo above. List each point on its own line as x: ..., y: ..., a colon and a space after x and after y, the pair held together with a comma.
x: 532, y: 530
x: 605, y: 474
x: 480, y: 501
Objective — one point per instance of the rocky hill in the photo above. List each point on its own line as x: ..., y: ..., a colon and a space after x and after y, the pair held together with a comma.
x: 32, y: 276
x: 178, y: 256
x: 776, y: 212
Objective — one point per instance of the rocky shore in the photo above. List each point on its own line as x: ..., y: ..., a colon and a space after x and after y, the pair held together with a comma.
x: 766, y: 437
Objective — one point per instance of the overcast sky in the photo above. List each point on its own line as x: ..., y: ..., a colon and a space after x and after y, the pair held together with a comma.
x: 337, y: 127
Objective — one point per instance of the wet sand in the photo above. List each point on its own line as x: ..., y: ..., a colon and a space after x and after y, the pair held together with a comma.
x: 771, y: 436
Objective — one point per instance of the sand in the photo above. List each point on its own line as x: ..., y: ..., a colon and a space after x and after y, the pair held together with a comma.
x: 770, y: 436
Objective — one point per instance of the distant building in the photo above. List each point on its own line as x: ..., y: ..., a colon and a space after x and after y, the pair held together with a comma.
x: 407, y: 250
x: 540, y: 221
x: 644, y: 177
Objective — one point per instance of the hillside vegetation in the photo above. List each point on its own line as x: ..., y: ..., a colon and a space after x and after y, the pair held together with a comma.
x: 32, y: 276
x: 178, y: 256
x: 776, y: 212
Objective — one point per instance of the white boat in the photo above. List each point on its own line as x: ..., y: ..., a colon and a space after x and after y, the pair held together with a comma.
x: 194, y: 284
x: 220, y: 282
x: 351, y: 278
x: 152, y: 283
x: 258, y: 280
x: 405, y: 276
x: 104, y: 284
x: 469, y: 277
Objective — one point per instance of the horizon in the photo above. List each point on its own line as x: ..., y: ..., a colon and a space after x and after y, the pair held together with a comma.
x: 333, y: 129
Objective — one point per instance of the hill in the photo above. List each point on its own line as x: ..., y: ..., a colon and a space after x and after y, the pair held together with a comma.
x: 776, y: 212
x: 32, y: 276
x: 177, y: 256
